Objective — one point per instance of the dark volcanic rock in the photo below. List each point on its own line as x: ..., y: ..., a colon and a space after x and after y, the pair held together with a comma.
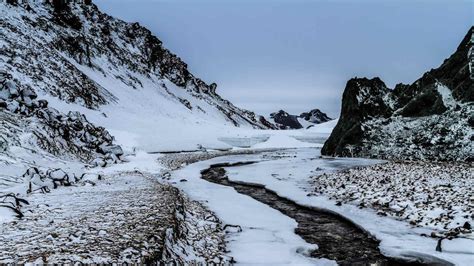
x: 429, y: 119
x: 428, y: 102
x: 362, y: 99
x: 285, y: 120
x: 315, y: 116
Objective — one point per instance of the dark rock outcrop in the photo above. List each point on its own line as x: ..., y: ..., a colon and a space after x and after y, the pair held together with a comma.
x: 285, y: 120
x: 315, y: 116
x: 428, y: 119
x: 56, y: 132
x: 361, y: 100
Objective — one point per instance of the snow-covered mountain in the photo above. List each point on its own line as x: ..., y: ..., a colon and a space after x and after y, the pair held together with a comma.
x: 315, y: 116
x: 118, y: 74
x: 81, y: 89
x: 431, y: 119
x: 284, y: 120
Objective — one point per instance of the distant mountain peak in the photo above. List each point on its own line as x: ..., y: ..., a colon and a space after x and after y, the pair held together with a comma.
x: 285, y: 120
x: 315, y: 116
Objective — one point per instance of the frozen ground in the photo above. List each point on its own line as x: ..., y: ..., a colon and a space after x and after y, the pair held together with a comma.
x: 288, y: 173
x: 127, y: 216
x: 256, y: 233
x: 432, y: 195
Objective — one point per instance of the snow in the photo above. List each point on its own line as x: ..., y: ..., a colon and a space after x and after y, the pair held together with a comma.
x: 146, y: 114
x: 267, y: 236
x: 282, y: 141
x: 305, y: 123
x: 289, y: 177
x: 326, y: 127
x: 431, y: 195
x: 121, y: 218
x: 447, y: 96
x: 287, y: 173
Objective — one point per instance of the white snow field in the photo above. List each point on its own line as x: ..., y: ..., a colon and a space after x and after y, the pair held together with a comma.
x: 288, y: 172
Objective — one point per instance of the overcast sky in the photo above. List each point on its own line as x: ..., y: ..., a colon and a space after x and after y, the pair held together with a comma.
x: 297, y: 55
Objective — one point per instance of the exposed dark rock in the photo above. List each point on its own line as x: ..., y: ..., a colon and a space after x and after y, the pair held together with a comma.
x: 12, y: 2
x: 285, y: 120
x: 361, y: 100
x: 428, y: 102
x: 57, y: 132
x: 315, y: 116
x: 425, y: 120
x: 13, y: 202
x: 265, y: 122
x: 213, y: 88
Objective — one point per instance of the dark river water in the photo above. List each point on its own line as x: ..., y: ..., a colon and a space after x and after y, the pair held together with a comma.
x: 338, y: 239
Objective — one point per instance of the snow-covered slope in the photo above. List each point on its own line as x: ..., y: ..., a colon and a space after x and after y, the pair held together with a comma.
x: 80, y: 89
x: 116, y: 73
x: 431, y: 119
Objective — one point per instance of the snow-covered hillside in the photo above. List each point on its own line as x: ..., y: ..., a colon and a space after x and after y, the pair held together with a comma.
x: 82, y: 97
x: 111, y: 71
x: 75, y: 82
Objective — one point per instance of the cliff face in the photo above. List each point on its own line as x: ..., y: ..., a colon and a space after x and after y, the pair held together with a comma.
x: 431, y: 119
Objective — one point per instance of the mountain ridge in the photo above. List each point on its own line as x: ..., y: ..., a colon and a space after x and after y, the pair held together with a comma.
x: 91, y: 38
x: 284, y: 120
x: 431, y: 119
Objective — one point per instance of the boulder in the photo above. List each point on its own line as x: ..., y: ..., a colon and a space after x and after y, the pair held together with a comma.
x: 13, y: 106
x: 110, y: 148
x: 98, y: 162
x: 28, y: 93
x: 42, y: 103
x: 4, y: 94
x: 56, y: 174
x: 11, y: 87
x: 90, y: 177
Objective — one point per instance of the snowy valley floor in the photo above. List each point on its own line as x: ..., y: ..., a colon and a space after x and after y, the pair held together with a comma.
x: 126, y: 216
x: 135, y: 214
x: 431, y: 209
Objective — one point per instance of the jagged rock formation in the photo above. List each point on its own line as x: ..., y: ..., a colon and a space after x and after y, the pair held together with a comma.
x: 283, y: 120
x: 431, y: 119
x: 55, y: 132
x: 315, y: 116
x: 51, y: 47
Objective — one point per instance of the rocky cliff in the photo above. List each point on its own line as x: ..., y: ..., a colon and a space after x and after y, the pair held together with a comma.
x: 431, y: 119
x: 48, y: 49
x: 62, y: 56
